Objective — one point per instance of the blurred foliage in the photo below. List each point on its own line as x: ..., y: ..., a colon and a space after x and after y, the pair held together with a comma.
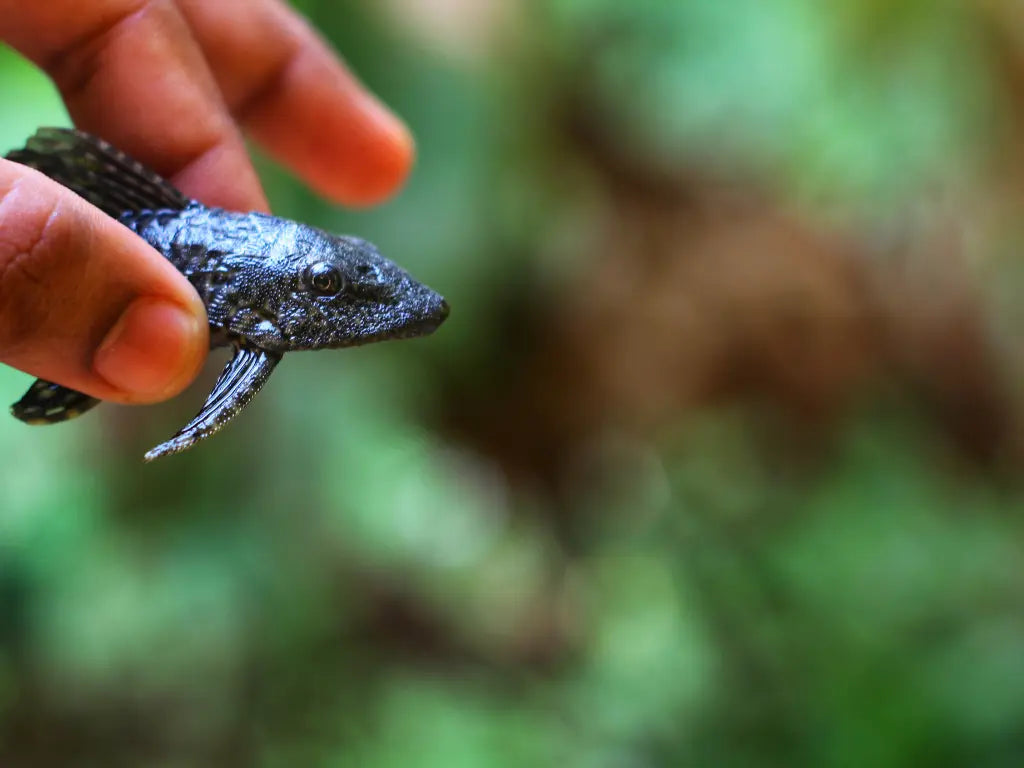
x: 715, y: 462
x: 786, y: 89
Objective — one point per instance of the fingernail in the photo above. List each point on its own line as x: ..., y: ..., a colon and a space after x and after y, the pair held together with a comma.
x: 152, y: 351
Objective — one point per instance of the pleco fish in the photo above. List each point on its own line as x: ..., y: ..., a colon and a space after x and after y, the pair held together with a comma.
x: 270, y: 285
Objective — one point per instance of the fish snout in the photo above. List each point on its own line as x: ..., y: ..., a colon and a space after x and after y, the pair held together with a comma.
x: 429, y: 311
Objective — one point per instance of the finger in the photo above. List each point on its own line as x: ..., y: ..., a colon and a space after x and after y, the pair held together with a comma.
x: 297, y: 99
x: 132, y: 73
x: 85, y: 302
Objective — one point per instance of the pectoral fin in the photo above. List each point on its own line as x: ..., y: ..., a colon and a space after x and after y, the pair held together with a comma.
x: 49, y: 403
x: 241, y: 379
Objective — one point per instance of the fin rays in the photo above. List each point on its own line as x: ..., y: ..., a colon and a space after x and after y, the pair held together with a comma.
x: 241, y: 379
x: 96, y: 171
x: 244, y: 376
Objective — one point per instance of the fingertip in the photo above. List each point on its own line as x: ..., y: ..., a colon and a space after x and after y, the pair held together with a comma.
x: 373, y: 164
x: 320, y: 121
x: 154, y: 350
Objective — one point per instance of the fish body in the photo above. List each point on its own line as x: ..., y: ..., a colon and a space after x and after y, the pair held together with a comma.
x: 285, y: 286
x: 270, y: 285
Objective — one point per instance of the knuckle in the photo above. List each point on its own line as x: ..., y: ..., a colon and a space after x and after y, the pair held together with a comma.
x: 74, y: 64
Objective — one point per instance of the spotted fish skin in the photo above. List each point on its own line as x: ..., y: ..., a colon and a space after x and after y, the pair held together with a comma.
x: 49, y: 403
x: 270, y: 285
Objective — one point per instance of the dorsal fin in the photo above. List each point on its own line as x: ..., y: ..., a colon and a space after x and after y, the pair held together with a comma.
x: 96, y: 171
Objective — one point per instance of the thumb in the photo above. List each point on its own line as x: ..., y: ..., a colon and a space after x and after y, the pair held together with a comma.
x: 85, y: 302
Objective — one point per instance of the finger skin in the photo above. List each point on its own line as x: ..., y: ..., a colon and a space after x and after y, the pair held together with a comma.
x: 298, y: 100
x: 133, y: 73
x: 67, y: 274
x: 160, y: 80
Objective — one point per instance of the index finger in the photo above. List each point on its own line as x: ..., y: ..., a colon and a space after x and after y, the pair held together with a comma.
x: 293, y: 94
x: 131, y: 72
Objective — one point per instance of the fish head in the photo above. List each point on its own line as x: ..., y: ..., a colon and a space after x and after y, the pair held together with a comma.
x: 330, y: 291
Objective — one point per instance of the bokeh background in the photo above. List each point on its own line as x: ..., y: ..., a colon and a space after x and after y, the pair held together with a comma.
x: 716, y: 463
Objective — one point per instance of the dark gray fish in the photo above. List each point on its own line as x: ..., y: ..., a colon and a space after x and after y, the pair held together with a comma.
x: 270, y: 285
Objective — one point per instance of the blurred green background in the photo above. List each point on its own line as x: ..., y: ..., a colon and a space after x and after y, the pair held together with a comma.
x: 716, y: 463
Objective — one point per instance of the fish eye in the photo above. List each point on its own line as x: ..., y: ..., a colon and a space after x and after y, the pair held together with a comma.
x: 324, y: 279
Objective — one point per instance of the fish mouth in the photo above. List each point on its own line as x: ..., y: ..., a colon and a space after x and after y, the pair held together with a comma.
x: 413, y: 327
x: 424, y: 319
x: 427, y: 325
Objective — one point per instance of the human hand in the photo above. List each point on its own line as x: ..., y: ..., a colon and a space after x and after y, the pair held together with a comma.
x: 86, y: 303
